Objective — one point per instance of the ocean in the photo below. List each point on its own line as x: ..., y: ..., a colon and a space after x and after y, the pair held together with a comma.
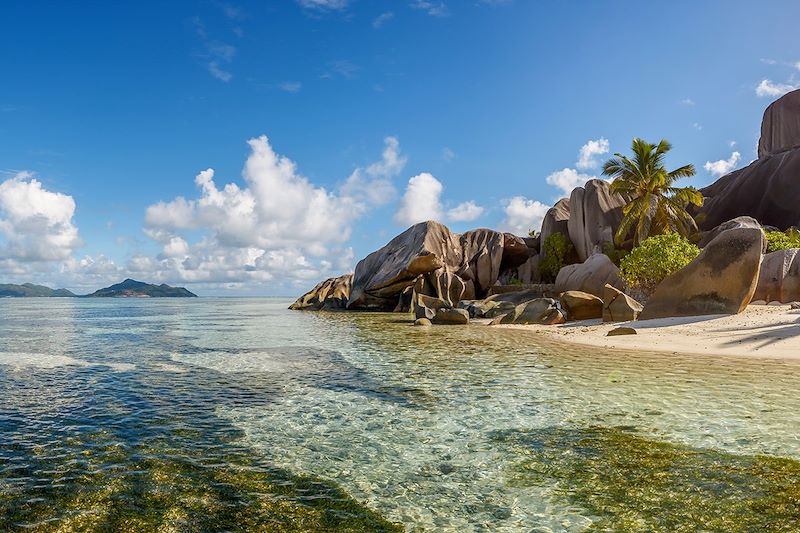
x: 234, y: 414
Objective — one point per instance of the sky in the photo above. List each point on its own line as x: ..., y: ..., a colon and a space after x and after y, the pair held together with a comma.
x: 255, y: 148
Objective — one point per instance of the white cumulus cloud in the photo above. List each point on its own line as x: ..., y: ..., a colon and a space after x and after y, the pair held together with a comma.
x: 373, y: 184
x: 524, y: 215
x: 465, y: 212
x: 35, y: 223
x: 587, y: 156
x: 567, y: 179
x: 723, y: 166
x: 768, y: 88
x: 278, y: 226
x: 421, y: 201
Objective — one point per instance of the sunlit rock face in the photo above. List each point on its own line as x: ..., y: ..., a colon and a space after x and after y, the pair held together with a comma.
x: 779, y: 279
x: 768, y: 189
x: 780, y: 128
x: 595, y: 214
x: 429, y: 259
x: 331, y: 294
x: 721, y: 280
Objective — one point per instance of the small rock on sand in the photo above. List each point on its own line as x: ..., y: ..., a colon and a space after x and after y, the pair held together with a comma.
x: 623, y: 330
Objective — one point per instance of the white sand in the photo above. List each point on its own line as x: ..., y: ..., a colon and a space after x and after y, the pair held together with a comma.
x: 760, y: 331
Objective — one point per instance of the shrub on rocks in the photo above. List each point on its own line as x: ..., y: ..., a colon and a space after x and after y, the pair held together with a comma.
x: 655, y: 259
x: 558, y: 251
x: 780, y: 240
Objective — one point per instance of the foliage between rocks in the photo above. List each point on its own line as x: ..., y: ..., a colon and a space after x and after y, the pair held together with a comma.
x: 655, y: 259
x: 558, y: 250
x: 779, y: 240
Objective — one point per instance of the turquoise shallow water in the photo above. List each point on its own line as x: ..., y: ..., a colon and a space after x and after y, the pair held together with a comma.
x: 237, y: 414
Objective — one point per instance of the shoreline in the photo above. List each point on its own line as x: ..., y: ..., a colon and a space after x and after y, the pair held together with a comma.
x: 760, y: 331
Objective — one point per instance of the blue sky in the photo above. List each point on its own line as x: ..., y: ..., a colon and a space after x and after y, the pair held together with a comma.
x: 473, y: 112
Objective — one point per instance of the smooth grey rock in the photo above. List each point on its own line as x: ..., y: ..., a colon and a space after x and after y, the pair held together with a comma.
x: 450, y: 317
x: 581, y: 305
x: 590, y: 276
x: 721, y: 280
x: 595, y: 215
x: 738, y: 222
x: 779, y: 277
x: 422, y: 322
x: 780, y: 127
x: 618, y: 306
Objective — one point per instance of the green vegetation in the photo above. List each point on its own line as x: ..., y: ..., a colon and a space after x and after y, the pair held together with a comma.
x: 779, y: 240
x: 656, y: 206
x: 131, y: 287
x: 615, y: 254
x: 558, y: 250
x: 632, y: 483
x: 655, y: 259
x: 28, y: 290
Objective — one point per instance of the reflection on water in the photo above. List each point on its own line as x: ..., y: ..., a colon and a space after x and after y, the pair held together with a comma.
x: 237, y: 414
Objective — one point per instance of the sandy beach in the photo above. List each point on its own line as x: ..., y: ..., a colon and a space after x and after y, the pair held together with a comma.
x: 760, y: 331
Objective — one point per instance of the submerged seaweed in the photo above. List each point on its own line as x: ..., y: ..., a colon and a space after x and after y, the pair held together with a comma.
x: 632, y: 483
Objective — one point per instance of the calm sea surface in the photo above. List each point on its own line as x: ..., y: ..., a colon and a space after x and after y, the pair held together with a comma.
x: 239, y: 415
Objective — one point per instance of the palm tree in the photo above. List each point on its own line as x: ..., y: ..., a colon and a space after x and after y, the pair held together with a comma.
x: 656, y: 205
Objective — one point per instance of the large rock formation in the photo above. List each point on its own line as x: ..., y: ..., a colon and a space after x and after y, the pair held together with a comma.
x: 768, y: 189
x: 590, y: 276
x: 780, y: 128
x: 330, y: 294
x: 435, y: 262
x: 779, y: 279
x: 721, y: 280
x: 595, y: 214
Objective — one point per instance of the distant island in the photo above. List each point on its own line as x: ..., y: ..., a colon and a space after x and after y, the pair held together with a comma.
x: 129, y: 288
x: 28, y: 290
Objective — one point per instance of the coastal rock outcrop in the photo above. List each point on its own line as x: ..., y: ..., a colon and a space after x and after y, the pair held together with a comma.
x: 595, y: 214
x: 329, y: 294
x: 435, y: 262
x: 618, y: 306
x: 780, y: 127
x: 590, y: 276
x: 767, y: 189
x: 581, y: 305
x: 779, y: 278
x: 721, y: 280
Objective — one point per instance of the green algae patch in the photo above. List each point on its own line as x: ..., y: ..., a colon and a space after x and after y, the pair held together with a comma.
x: 630, y: 483
x: 159, y: 493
